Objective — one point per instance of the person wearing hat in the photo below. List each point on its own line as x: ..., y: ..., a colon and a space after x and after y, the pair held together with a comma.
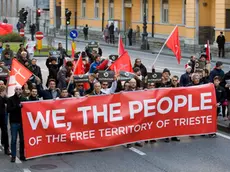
x: 165, y: 81
x: 185, y: 78
x: 217, y: 71
x: 221, y: 41
x: 7, y: 49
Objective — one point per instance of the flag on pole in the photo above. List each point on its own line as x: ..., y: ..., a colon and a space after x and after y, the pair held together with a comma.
x: 208, y: 54
x: 19, y: 75
x: 123, y: 63
x: 121, y: 49
x: 173, y: 43
x: 79, y: 67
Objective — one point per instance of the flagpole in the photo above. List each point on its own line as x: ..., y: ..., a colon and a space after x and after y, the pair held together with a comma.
x: 75, y: 67
x: 164, y: 45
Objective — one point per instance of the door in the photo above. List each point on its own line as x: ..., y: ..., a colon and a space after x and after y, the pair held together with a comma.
x: 128, y: 18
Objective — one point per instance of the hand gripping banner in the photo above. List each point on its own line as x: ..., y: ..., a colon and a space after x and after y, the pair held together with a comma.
x: 71, y: 125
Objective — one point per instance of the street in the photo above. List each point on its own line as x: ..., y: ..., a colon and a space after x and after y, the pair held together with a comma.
x: 199, y: 154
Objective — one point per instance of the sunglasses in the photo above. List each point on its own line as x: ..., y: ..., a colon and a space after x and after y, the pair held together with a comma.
x: 105, y: 84
x: 80, y: 85
x: 175, y: 80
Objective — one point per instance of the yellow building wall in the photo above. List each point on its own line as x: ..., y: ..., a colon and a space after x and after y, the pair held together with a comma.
x: 175, y: 12
x: 205, y: 13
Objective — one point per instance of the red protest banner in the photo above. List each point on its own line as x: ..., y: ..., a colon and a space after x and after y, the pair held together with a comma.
x: 69, y: 125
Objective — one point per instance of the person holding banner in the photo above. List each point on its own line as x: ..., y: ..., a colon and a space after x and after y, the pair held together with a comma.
x: 14, y: 109
x: 3, y: 124
x: 51, y: 93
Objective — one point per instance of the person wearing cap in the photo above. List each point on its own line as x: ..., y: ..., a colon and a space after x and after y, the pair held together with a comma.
x: 185, y: 78
x: 221, y: 42
x: 217, y: 71
x: 7, y: 49
x: 165, y: 81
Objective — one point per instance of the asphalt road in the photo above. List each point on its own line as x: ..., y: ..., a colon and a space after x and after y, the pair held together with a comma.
x: 199, y: 154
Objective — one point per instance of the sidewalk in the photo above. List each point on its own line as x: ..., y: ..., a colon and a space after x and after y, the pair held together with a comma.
x: 165, y: 51
x: 223, y: 125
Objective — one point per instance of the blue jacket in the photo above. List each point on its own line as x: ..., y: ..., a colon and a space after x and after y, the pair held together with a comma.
x: 1, y: 49
x: 93, y: 67
x: 185, y: 79
x: 216, y: 72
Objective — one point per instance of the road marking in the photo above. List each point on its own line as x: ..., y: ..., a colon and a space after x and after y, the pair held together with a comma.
x: 18, y: 161
x: 26, y: 170
x: 223, y: 135
x: 137, y: 151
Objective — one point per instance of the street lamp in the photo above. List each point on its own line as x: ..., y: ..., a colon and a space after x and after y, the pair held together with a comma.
x: 145, y: 44
x: 103, y: 15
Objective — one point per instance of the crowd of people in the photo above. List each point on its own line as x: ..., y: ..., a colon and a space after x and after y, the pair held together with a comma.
x: 61, y: 84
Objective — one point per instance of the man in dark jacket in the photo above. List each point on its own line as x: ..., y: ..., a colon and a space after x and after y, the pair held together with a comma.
x: 34, y: 95
x: 111, y: 33
x: 36, y: 69
x: 130, y: 36
x: 62, y: 51
x: 3, y: 125
x: 7, y: 60
x: 63, y: 75
x: 226, y: 84
x: 14, y: 109
x: 221, y: 41
x: 141, y: 66
x: 185, y: 78
x: 53, y: 67
x: 85, y: 31
x: 51, y: 93
x: 217, y: 71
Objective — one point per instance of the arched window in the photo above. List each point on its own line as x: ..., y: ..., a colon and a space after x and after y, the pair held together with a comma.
x: 164, y: 11
x: 111, y: 9
x: 96, y: 9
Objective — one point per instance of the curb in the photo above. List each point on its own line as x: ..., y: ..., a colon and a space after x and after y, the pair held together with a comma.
x: 223, y: 128
x: 146, y: 51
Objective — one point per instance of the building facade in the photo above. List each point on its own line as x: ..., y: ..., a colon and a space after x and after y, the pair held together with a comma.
x: 198, y: 20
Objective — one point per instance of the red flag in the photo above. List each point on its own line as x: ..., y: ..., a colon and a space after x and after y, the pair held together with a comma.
x: 208, y: 51
x: 79, y: 67
x: 5, y: 28
x: 121, y: 49
x: 122, y: 63
x: 19, y: 75
x: 103, y: 65
x: 173, y: 43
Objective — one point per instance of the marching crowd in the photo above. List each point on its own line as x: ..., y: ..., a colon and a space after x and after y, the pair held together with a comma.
x: 60, y: 84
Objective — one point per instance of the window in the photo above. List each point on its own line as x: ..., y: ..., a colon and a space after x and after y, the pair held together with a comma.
x: 227, y: 19
x: 184, y: 12
x: 83, y: 8
x: 143, y: 9
x: 96, y: 9
x: 111, y: 9
x: 164, y: 11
